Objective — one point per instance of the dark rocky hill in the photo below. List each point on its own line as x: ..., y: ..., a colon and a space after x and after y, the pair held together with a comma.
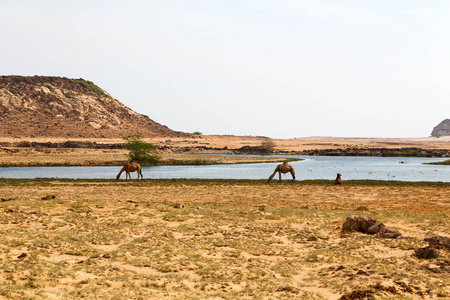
x: 441, y: 129
x: 68, y: 108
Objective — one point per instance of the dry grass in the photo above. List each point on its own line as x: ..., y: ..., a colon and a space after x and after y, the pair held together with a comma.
x: 107, y: 240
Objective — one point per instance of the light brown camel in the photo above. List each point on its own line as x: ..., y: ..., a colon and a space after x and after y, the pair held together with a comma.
x: 283, y: 168
x: 129, y: 167
x: 338, y: 180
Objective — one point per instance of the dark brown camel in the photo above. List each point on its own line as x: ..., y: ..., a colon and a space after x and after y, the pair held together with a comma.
x: 129, y: 167
x: 338, y: 180
x: 283, y: 168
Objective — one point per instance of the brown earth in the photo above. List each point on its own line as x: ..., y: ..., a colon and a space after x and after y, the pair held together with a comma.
x: 57, y: 107
x: 229, y: 239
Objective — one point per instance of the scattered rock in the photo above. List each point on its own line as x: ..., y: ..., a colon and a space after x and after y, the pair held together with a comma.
x: 312, y: 239
x: 5, y: 199
x: 199, y: 207
x: 262, y: 207
x: 48, y: 197
x: 23, y: 255
x: 438, y: 242
x: 281, y: 288
x: 360, y: 294
x: 340, y: 267
x: 106, y: 255
x: 444, y: 267
x: 426, y: 252
x: 358, y: 223
x: 388, y: 233
x: 178, y: 205
x: 362, y: 272
x: 374, y: 229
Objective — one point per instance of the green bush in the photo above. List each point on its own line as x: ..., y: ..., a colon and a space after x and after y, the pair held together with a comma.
x: 140, y: 150
x: 18, y: 78
x: 90, y: 86
x: 268, y: 145
x: 70, y: 95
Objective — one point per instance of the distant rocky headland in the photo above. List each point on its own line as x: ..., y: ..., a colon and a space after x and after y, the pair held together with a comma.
x: 442, y: 129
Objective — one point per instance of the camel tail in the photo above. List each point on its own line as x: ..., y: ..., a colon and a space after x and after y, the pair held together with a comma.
x: 120, y: 173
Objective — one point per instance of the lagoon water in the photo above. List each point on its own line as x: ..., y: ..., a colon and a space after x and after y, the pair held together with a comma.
x: 312, y: 167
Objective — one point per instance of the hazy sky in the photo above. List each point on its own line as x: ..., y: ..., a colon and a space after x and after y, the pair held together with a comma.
x: 283, y: 69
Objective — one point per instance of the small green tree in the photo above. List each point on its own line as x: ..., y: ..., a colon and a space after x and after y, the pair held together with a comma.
x: 140, y: 150
x: 268, y: 145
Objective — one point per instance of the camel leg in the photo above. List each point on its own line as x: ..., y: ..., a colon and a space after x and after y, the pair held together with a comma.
x: 279, y: 175
x: 271, y: 176
x: 293, y: 175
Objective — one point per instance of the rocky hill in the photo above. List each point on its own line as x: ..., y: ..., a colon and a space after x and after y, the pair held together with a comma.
x: 61, y: 107
x: 442, y: 129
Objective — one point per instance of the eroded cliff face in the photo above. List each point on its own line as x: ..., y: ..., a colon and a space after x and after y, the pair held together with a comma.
x: 442, y: 129
x: 61, y: 107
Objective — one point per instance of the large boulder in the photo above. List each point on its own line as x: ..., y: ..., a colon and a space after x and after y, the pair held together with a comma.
x: 426, y: 252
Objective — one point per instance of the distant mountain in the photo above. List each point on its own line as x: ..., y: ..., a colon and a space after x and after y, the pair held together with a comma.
x: 41, y: 106
x: 442, y: 128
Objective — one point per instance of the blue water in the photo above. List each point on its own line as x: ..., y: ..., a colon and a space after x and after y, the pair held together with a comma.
x: 312, y: 167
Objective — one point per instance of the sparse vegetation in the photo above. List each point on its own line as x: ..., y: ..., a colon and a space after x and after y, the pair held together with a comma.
x: 268, y: 145
x: 90, y: 86
x: 18, y: 78
x: 70, y: 95
x: 139, y: 150
x: 147, y: 117
x: 101, y: 241
x: 444, y: 163
x: 197, y: 133
x: 24, y: 144
x: 406, y: 153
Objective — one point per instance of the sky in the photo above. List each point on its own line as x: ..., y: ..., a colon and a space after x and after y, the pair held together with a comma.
x: 280, y: 69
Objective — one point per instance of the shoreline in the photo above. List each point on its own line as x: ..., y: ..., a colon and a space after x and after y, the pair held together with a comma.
x: 201, y: 181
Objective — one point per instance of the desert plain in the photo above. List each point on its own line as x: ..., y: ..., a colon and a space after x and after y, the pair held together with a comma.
x: 216, y: 239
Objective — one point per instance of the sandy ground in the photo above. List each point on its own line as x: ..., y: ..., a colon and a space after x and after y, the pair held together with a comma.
x: 86, y: 157
x: 229, y: 239
x: 295, y: 144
